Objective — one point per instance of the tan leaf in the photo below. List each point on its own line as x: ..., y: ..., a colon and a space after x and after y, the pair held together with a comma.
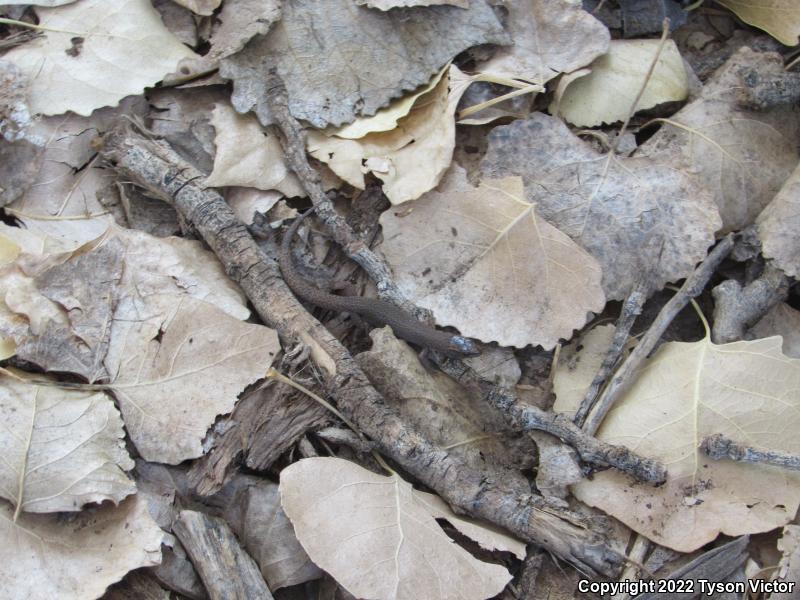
x: 410, y: 159
x: 635, y: 216
x: 779, y: 18
x: 376, y: 537
x: 779, y: 226
x: 746, y: 391
x: 484, y: 261
x: 240, y: 21
x: 578, y: 363
x: 50, y: 556
x: 390, y: 4
x: 90, y: 56
x: 742, y: 156
x: 487, y: 537
x: 248, y: 155
x: 550, y: 37
x: 179, y: 371
x: 201, y: 7
x: 607, y: 93
x: 789, y: 568
x: 781, y: 320
x: 68, y: 203
x: 61, y: 449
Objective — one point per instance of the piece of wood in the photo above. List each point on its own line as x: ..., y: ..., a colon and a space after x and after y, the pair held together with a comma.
x: 227, y: 571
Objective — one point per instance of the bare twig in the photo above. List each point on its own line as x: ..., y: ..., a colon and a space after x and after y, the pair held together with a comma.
x: 631, y: 308
x: 156, y: 167
x: 719, y: 447
x: 692, y: 287
x: 527, y: 417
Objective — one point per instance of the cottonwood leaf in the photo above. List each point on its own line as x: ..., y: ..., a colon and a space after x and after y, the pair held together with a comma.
x: 742, y: 156
x: 411, y: 158
x: 390, y: 4
x: 486, y: 536
x: 77, y: 307
x: 607, y: 93
x: 201, y: 7
x: 101, y: 54
x: 578, y: 363
x: 789, y: 567
x: 248, y: 155
x: 781, y: 320
x: 746, y: 391
x: 636, y: 216
x: 779, y: 226
x: 484, y: 261
x: 355, y: 59
x: 240, y: 21
x: 376, y: 537
x: 779, y: 18
x: 61, y: 449
x: 39, y: 2
x: 76, y: 557
x: 72, y: 192
x: 179, y: 371
x: 550, y: 37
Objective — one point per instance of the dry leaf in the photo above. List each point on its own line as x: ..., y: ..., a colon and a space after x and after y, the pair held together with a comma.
x: 99, y: 56
x: 781, y: 320
x: 779, y: 226
x: 355, y: 59
x: 39, y: 2
x: 789, y: 567
x: 410, y: 159
x: 61, y: 449
x: 376, y: 537
x: 390, y: 4
x: 201, y: 7
x: 71, y: 193
x: 485, y: 535
x: 485, y: 262
x: 178, y: 372
x: 578, y: 363
x: 606, y: 95
x: 743, y: 157
x: 76, y: 557
x: 746, y: 391
x: 267, y: 534
x: 241, y: 20
x: 550, y: 37
x: 439, y: 408
x: 635, y: 216
x: 77, y: 308
x: 248, y: 155
x: 779, y: 18
x: 386, y: 119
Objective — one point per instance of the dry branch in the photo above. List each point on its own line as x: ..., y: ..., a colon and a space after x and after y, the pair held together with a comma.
x: 156, y: 167
x: 691, y: 288
x: 720, y: 447
x: 227, y: 571
x: 527, y: 417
